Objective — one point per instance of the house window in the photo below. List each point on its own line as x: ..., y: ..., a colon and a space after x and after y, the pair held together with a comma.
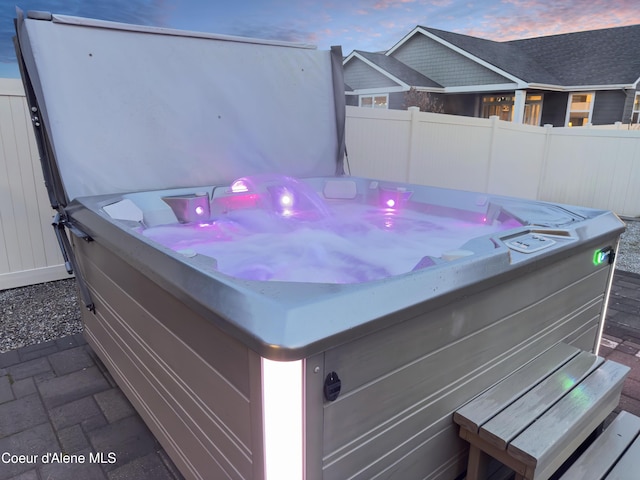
x: 532, y: 110
x: 580, y: 109
x: 635, y: 114
x: 502, y: 107
x: 374, y: 101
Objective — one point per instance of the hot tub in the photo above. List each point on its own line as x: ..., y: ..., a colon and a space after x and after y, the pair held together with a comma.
x: 268, y: 316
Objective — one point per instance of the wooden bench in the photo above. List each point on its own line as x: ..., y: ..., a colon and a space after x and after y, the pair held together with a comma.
x: 533, y: 420
x: 614, y: 455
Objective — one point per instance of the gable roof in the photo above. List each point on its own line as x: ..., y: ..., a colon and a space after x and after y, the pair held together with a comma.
x: 399, y: 70
x: 503, y: 55
x: 605, y: 58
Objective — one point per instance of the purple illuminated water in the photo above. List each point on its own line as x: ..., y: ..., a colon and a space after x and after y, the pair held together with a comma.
x: 348, y: 243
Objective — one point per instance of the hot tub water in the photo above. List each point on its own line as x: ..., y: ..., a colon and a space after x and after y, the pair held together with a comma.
x: 290, y: 233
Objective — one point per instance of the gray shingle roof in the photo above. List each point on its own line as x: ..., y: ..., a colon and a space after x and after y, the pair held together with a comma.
x: 596, y: 57
x: 399, y: 70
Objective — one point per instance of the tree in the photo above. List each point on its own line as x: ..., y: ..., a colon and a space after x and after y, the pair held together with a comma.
x: 426, y: 101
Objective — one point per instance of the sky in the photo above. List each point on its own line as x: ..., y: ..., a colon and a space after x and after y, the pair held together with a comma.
x: 375, y: 25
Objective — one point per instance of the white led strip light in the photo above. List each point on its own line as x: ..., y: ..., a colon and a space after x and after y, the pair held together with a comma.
x: 282, y: 419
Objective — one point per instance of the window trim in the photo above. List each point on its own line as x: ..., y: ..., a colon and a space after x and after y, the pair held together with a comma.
x: 590, y: 111
x: 634, y: 112
x: 373, y: 97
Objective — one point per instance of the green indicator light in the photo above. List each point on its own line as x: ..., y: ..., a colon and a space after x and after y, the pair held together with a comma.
x: 600, y: 256
x: 597, y: 257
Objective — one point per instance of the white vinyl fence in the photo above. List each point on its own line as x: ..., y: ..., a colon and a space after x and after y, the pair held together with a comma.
x: 28, y: 249
x: 592, y: 167
x: 596, y: 167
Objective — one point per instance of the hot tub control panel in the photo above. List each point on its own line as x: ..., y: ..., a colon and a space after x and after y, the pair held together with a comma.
x: 530, y: 243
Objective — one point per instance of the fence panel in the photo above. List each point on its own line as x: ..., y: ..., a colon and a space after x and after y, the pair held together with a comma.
x: 443, y: 146
x: 30, y: 252
x: 592, y: 167
x: 378, y: 143
x: 516, y: 159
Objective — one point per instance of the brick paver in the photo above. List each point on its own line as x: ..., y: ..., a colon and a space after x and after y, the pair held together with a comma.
x: 57, y: 398
x: 621, y: 339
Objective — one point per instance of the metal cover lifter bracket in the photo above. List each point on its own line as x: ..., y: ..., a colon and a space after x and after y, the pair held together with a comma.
x: 60, y: 221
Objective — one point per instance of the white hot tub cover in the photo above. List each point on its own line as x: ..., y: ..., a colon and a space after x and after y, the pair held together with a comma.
x: 128, y: 108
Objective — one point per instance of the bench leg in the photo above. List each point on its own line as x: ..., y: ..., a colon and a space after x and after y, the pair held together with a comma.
x: 478, y: 464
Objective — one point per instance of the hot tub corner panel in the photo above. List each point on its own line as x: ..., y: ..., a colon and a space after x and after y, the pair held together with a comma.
x: 197, y: 389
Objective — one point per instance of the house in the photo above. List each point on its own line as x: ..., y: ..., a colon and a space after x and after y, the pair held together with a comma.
x: 571, y: 79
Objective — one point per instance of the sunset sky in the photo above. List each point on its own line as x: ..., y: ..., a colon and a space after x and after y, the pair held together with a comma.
x: 358, y: 24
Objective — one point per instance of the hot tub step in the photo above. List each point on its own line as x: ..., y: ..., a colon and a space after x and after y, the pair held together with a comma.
x: 614, y: 454
x: 533, y: 429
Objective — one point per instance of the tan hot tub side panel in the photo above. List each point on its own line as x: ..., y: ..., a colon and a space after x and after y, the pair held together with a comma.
x: 401, y: 385
x: 192, y: 383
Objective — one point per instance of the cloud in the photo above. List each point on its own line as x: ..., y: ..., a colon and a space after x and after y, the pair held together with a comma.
x: 275, y: 32
x: 532, y: 18
x: 441, y: 3
x: 385, y: 4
